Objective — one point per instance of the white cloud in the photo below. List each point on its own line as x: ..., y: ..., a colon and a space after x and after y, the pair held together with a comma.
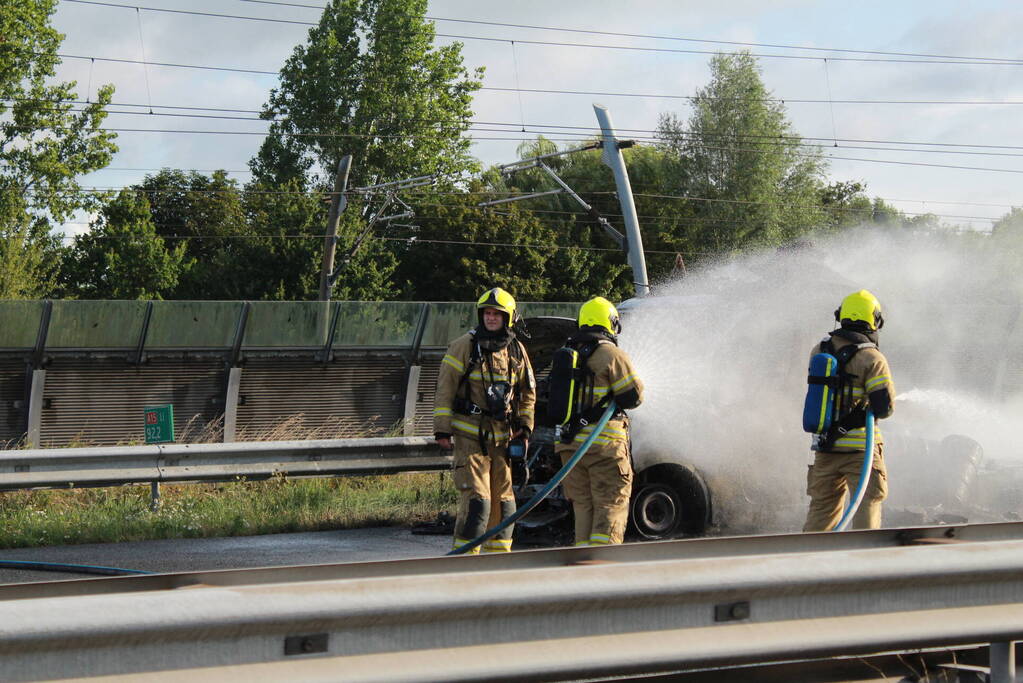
x: 985, y: 28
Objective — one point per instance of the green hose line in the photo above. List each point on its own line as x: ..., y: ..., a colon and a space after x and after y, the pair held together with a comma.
x: 861, y: 488
x: 70, y: 568
x: 546, y: 490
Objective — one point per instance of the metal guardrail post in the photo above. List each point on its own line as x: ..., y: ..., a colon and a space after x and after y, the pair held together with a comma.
x: 140, y: 345
x: 35, y: 409
x: 414, y: 371
x: 234, y: 374
x: 35, y: 380
x: 154, y: 496
x: 411, y: 399
x: 1002, y: 661
x: 335, y: 315
x: 234, y: 382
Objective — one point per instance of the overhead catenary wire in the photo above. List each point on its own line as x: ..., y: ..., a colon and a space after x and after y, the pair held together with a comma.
x: 512, y: 192
x: 978, y: 168
x: 581, y: 214
x: 874, y: 56
x: 501, y: 24
x: 587, y: 93
x: 587, y: 132
x: 404, y: 136
x: 538, y: 129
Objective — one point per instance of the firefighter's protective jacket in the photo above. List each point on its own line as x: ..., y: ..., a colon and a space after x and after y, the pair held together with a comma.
x: 505, y: 365
x: 613, y: 373
x: 869, y: 372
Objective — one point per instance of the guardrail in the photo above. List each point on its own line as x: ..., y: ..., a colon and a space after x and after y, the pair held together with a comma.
x: 65, y: 467
x: 558, y: 614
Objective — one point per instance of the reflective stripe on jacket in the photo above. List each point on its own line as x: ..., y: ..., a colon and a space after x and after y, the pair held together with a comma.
x: 613, y: 373
x: 870, y: 373
x: 498, y: 366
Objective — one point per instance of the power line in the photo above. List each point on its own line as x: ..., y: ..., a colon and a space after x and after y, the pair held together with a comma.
x: 912, y: 58
x: 410, y: 240
x: 586, y: 131
x: 555, y: 91
x: 866, y: 211
x: 538, y: 129
x: 656, y: 37
x: 527, y: 139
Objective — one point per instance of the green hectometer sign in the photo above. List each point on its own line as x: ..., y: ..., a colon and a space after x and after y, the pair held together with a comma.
x: 159, y: 424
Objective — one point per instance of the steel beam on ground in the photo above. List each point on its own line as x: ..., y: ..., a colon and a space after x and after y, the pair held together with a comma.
x: 537, y: 615
x: 63, y: 467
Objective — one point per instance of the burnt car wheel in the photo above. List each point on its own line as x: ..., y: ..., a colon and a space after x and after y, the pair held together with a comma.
x: 656, y: 512
x: 668, y: 500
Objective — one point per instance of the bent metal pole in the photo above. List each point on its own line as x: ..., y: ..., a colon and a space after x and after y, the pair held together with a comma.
x: 612, y: 157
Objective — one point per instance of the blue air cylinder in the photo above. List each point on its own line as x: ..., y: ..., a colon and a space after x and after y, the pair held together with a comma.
x: 822, y: 383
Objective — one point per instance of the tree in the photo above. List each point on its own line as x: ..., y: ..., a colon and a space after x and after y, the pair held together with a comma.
x: 206, y: 215
x: 751, y: 181
x: 283, y: 258
x: 122, y: 257
x: 45, y: 144
x: 369, y: 82
x: 585, y: 260
x: 457, y: 250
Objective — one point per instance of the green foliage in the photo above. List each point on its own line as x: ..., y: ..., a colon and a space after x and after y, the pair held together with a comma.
x: 750, y: 181
x: 243, y: 508
x: 122, y: 256
x: 370, y: 83
x: 586, y: 261
x: 44, y: 147
x: 460, y: 271
x: 190, y: 236
x: 282, y: 258
x: 1006, y: 240
x: 205, y: 214
x: 1009, y: 228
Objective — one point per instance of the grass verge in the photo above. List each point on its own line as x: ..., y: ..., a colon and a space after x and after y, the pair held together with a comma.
x: 242, y: 508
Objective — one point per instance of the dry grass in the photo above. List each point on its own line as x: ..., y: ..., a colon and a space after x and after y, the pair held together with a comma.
x: 240, y: 508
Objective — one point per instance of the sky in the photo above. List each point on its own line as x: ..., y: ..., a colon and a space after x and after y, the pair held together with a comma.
x: 929, y: 134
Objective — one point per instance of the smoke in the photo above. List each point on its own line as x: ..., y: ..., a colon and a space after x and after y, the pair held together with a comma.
x: 723, y: 354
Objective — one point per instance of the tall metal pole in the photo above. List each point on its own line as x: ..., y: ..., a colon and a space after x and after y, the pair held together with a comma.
x: 612, y: 156
x: 337, y: 205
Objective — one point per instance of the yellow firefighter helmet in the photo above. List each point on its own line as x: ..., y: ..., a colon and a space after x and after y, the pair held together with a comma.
x: 863, y: 306
x: 499, y: 299
x: 599, y: 312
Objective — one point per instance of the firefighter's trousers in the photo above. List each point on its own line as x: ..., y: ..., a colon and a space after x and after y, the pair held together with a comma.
x: 599, y: 487
x: 485, y: 495
x: 832, y: 479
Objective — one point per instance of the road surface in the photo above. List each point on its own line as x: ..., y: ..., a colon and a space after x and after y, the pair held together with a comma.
x: 196, y: 554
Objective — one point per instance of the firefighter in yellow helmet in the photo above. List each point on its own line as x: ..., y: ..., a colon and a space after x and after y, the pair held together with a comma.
x: 485, y: 397
x: 601, y: 483
x: 866, y: 381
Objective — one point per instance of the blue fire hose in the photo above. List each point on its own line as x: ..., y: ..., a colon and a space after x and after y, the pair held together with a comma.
x: 868, y: 464
x: 545, y: 491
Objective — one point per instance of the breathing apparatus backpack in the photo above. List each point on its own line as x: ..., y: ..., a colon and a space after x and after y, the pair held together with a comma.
x: 569, y: 382
x: 826, y: 382
x: 500, y: 395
